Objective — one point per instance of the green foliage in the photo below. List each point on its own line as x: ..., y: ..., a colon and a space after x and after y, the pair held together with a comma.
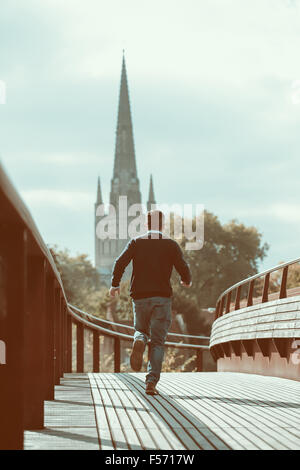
x: 293, y: 279
x: 81, y: 281
x: 231, y: 252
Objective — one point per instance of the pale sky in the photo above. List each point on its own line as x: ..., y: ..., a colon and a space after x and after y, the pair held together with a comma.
x: 216, y: 118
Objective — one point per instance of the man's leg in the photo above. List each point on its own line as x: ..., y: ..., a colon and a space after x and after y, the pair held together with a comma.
x: 141, y: 312
x: 159, y: 325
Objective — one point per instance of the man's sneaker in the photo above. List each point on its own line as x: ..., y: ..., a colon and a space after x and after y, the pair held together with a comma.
x: 150, y: 389
x: 136, y: 357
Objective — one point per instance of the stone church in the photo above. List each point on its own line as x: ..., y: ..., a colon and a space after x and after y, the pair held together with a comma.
x: 124, y: 182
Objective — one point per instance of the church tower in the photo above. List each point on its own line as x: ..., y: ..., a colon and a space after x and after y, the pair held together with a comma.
x: 124, y: 182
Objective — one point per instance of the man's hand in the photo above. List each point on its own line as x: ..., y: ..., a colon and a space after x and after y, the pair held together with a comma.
x: 185, y: 285
x: 113, y: 291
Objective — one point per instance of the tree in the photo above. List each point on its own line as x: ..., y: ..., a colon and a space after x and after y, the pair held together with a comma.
x: 230, y: 253
x: 81, y: 281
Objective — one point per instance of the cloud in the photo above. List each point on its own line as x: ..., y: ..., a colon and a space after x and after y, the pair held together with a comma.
x: 211, y: 102
x: 42, y: 198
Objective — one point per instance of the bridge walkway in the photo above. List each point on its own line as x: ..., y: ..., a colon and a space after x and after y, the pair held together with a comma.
x: 208, y: 410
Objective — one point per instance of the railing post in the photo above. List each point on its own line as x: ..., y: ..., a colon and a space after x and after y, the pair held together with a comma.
x: 199, y: 360
x: 13, y: 253
x: 117, y: 354
x: 217, y: 312
x: 65, y: 366
x: 62, y: 336
x: 35, y: 340
x: 283, y: 293
x: 57, y: 336
x: 237, y: 298
x: 265, y: 294
x: 250, y: 294
x: 49, y: 344
x: 228, y: 299
x: 221, y: 306
x: 96, y: 351
x: 69, y: 343
x: 80, y: 347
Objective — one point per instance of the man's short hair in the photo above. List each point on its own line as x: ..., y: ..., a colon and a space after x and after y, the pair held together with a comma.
x: 155, y: 220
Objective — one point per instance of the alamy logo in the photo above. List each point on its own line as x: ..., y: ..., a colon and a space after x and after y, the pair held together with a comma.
x: 2, y: 352
x: 130, y: 222
x: 2, y: 92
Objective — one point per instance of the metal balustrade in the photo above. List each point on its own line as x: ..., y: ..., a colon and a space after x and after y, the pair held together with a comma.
x: 227, y: 302
x: 84, y: 320
x: 259, y: 332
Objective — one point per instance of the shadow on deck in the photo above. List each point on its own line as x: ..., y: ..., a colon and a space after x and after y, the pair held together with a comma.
x: 193, y: 411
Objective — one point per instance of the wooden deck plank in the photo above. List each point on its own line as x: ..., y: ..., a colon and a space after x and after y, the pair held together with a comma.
x: 129, y: 431
x: 185, y: 424
x: 215, y: 410
x: 115, y: 426
x: 105, y: 437
x: 163, y: 437
x: 219, y: 413
x: 170, y: 428
x: 252, y: 411
x: 260, y: 418
x: 69, y: 419
x: 135, y: 414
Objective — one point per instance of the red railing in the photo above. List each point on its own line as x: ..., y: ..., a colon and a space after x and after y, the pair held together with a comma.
x: 34, y: 321
x: 230, y: 299
x: 83, y: 320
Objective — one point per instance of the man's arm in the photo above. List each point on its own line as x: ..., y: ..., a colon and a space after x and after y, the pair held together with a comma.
x: 120, y: 264
x: 182, y: 267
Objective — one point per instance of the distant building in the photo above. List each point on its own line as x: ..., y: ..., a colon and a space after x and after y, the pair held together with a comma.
x: 124, y: 182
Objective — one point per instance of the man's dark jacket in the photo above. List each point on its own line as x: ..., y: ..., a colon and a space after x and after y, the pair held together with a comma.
x: 153, y: 256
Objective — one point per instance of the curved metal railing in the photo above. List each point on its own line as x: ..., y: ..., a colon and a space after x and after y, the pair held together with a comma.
x: 84, y: 320
x: 226, y: 304
x: 112, y: 324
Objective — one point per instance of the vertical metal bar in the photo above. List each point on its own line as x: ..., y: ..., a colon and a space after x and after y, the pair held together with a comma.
x: 283, y: 292
x: 265, y: 294
x: 57, y: 336
x: 250, y: 294
x: 62, y: 335
x: 117, y: 354
x: 13, y: 249
x: 69, y: 343
x: 237, y: 298
x: 217, y: 312
x: 199, y: 360
x: 35, y: 340
x: 50, y: 319
x: 228, y: 299
x: 221, y: 306
x: 80, y: 347
x: 65, y: 339
x: 96, y: 351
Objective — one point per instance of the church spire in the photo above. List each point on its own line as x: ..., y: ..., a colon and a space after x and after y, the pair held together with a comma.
x: 151, y: 198
x: 99, y: 195
x: 124, y: 151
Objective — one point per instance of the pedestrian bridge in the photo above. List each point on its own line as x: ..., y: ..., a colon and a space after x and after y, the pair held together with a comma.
x: 251, y: 402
